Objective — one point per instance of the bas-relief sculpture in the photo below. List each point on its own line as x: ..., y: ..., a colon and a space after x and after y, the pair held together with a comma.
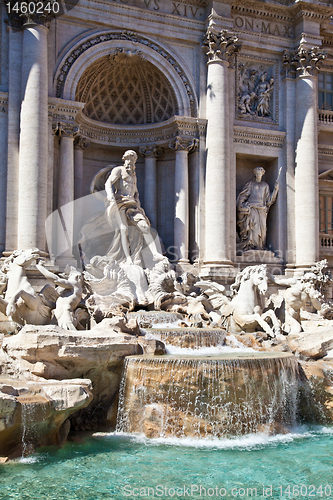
x: 253, y: 204
x: 255, y: 91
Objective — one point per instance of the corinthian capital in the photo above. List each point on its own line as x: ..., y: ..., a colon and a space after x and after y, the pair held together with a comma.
x: 303, y: 61
x: 221, y: 45
x: 63, y: 129
x: 151, y: 151
x: 183, y: 144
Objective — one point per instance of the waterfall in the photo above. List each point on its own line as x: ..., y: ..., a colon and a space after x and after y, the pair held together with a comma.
x: 193, y: 338
x: 231, y: 394
x: 34, y: 411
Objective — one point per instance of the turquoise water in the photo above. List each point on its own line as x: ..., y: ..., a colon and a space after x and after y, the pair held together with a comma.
x: 112, y: 466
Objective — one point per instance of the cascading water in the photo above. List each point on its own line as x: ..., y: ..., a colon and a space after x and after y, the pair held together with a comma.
x: 229, y: 394
x: 33, y: 413
x: 193, y: 338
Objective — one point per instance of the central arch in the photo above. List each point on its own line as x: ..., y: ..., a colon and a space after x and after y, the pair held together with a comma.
x: 86, y: 51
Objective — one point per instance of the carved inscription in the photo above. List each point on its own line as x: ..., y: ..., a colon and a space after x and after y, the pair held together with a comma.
x: 265, y: 27
x: 166, y: 7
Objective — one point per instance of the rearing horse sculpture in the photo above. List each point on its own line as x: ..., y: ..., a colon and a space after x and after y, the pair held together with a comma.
x: 244, y: 312
x: 21, y: 303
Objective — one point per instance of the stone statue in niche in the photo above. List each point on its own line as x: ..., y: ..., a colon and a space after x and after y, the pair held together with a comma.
x: 123, y: 230
x: 118, y: 245
x: 253, y: 203
x: 124, y: 210
x: 255, y: 91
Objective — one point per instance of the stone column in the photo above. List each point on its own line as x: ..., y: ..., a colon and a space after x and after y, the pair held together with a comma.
x: 306, y: 62
x: 80, y: 144
x: 33, y: 152
x: 3, y: 166
x: 151, y: 153
x: 182, y: 147
x: 14, y: 104
x: 66, y: 195
x: 289, y: 119
x: 220, y: 48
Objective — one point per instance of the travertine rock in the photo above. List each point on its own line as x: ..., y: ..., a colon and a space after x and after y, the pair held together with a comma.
x: 35, y: 413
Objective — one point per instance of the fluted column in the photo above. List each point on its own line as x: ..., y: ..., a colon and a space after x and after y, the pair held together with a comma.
x: 14, y: 103
x: 220, y: 48
x: 182, y: 147
x: 33, y: 152
x: 306, y: 62
x: 151, y: 153
x: 66, y: 195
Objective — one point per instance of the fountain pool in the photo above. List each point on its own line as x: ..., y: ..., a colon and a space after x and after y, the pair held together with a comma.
x: 109, y: 467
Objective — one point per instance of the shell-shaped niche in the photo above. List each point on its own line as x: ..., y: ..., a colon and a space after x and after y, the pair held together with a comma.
x: 125, y: 89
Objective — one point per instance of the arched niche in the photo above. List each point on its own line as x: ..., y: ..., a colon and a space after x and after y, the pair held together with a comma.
x: 86, y: 51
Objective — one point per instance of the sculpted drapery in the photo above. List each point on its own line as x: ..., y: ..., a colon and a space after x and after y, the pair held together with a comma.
x: 253, y: 203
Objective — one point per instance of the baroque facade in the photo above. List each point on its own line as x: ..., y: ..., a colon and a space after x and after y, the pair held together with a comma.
x: 204, y: 92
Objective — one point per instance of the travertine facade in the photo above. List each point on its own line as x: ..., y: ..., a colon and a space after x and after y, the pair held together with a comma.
x: 203, y: 91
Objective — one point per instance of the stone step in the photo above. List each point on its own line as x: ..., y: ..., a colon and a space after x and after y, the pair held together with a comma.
x: 149, y: 318
x: 187, y: 337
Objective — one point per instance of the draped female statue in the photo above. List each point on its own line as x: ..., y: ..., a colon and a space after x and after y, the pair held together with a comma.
x: 253, y: 204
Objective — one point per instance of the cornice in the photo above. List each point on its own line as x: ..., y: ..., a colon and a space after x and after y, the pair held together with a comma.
x: 258, y: 137
x: 275, y: 13
x: 325, y: 150
x: 64, y: 111
x: 290, y: 14
x: 159, y: 133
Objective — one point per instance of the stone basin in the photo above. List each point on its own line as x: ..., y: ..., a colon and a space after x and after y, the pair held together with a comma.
x: 209, y: 396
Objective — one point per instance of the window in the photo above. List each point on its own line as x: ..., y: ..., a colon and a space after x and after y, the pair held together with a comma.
x: 326, y: 214
x: 325, y: 87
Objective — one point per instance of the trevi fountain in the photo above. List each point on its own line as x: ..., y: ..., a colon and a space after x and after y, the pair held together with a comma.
x: 105, y: 367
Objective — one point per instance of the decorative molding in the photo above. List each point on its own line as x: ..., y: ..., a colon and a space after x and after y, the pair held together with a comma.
x: 220, y: 45
x: 157, y: 134
x: 290, y: 14
x: 151, y: 151
x: 260, y: 65
x: 3, y: 102
x: 265, y: 12
x: 64, y: 111
x: 184, y: 144
x: 328, y: 40
x: 76, y: 52
x: 259, y: 137
x: 325, y: 150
